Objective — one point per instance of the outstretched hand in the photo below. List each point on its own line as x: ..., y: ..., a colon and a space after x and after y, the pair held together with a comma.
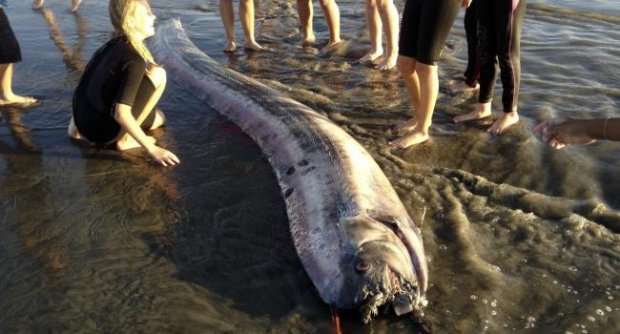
x: 163, y: 156
x: 559, y: 133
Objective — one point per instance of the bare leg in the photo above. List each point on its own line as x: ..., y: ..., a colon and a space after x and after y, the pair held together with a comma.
x: 75, y: 5
x: 7, y: 96
x: 389, y: 16
x: 228, y: 16
x: 37, y: 4
x: 482, y: 110
x: 407, y: 68
x: 246, y: 15
x: 305, y: 12
x: 332, y: 15
x: 374, y: 32
x: 429, y: 89
x: 158, y: 77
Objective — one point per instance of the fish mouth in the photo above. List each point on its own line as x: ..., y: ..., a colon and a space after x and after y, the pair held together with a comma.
x: 391, y: 289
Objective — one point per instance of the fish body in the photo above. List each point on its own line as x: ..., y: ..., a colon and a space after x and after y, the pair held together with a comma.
x: 352, y: 233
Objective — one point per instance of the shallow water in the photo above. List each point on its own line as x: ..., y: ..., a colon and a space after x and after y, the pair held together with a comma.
x: 519, y: 237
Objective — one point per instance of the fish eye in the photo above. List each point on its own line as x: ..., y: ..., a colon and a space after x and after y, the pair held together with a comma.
x: 362, y: 267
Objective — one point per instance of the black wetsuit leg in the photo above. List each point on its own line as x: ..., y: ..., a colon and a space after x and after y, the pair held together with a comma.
x: 425, y: 27
x: 472, y: 72
x: 499, y: 39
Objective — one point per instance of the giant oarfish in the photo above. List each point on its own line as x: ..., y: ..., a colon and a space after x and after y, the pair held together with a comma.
x: 351, y: 231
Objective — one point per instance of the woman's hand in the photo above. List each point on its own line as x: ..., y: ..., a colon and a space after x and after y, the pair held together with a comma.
x: 163, y: 156
x: 559, y: 132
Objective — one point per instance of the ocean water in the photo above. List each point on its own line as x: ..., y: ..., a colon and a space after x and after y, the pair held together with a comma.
x: 520, y: 238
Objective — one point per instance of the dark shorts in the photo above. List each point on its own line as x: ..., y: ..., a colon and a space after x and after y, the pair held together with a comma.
x: 100, y: 127
x: 9, y: 47
x: 425, y: 27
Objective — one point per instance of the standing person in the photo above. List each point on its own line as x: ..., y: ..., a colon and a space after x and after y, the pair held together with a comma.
x: 246, y: 16
x: 75, y: 4
x: 472, y: 71
x: 424, y: 30
x: 499, y: 39
x: 10, y: 54
x: 331, y: 11
x: 115, y: 100
x: 382, y: 13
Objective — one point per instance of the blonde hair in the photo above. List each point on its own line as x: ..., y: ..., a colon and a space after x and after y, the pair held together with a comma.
x: 121, y: 16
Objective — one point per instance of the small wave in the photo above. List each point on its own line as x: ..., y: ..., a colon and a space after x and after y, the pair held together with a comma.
x: 546, y: 10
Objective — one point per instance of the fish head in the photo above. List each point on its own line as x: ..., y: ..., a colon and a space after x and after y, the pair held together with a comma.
x: 385, y: 269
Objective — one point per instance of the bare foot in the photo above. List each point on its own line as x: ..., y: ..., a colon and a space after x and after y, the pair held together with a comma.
x: 406, y: 126
x: 482, y: 110
x: 463, y: 87
x: 37, y: 4
x: 308, y: 40
x: 412, y: 138
x: 332, y: 47
x: 127, y: 142
x: 371, y: 56
x: 253, y: 46
x: 388, y: 63
x: 230, y: 46
x: 73, y: 131
x: 18, y: 101
x: 504, y: 122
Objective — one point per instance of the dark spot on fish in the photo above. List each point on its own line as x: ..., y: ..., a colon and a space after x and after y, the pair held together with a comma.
x: 308, y: 170
x: 303, y: 163
x: 290, y: 171
x: 288, y: 192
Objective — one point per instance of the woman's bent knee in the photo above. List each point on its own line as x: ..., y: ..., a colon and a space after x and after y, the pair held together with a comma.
x: 158, y: 76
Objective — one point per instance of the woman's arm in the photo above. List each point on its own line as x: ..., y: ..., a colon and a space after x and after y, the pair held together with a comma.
x: 124, y: 117
x: 561, y: 132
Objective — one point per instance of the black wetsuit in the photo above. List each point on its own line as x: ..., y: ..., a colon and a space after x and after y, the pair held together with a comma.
x: 425, y: 27
x: 115, y: 74
x: 9, y: 47
x: 499, y: 39
x: 472, y: 72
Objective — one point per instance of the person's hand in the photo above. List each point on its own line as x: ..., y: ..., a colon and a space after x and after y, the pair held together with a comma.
x: 559, y: 132
x: 466, y: 3
x: 163, y: 156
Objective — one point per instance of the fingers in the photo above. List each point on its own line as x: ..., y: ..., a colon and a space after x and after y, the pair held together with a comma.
x: 165, y: 157
x: 556, y: 143
x: 169, y: 159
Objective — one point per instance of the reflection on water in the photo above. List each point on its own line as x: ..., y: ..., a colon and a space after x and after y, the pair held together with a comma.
x: 520, y: 238
x: 72, y: 57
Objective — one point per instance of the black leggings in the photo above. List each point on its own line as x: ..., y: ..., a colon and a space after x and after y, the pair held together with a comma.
x: 472, y: 72
x: 499, y: 39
